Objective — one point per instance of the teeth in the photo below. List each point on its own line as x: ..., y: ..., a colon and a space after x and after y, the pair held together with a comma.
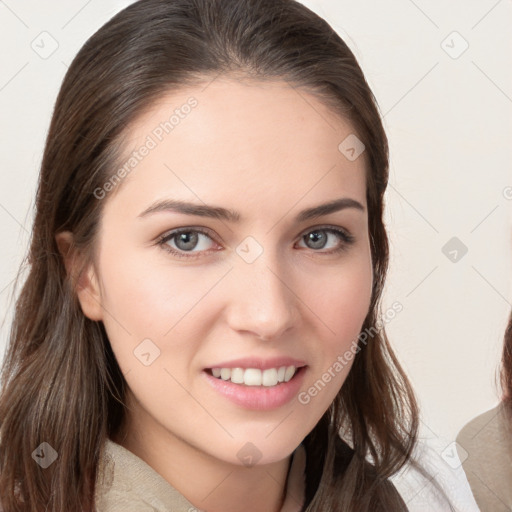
x: 225, y: 373
x: 255, y: 376
x: 249, y: 377
x: 269, y: 377
x: 289, y: 373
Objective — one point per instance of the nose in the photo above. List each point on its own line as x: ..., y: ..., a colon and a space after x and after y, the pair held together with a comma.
x: 262, y: 301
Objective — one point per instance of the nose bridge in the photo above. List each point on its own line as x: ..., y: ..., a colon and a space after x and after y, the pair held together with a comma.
x: 263, y: 302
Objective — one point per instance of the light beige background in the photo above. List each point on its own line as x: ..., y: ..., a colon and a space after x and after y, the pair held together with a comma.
x: 449, y: 121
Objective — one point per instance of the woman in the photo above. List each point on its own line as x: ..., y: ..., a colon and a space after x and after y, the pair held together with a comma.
x: 200, y: 325
x: 485, y: 444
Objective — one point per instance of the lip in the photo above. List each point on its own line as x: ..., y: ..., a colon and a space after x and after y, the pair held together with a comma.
x: 258, y: 398
x: 257, y: 362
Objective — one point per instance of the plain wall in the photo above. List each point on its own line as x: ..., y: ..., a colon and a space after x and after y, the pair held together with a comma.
x: 448, y: 119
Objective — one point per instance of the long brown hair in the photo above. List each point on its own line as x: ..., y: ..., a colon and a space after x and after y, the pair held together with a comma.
x: 60, y: 380
x: 506, y: 368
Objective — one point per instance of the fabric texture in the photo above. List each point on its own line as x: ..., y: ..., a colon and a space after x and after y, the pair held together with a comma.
x: 485, y: 448
x: 125, y: 483
x: 445, y: 488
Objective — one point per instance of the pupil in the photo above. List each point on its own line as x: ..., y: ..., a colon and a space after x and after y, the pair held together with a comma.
x: 317, y: 239
x: 189, y: 239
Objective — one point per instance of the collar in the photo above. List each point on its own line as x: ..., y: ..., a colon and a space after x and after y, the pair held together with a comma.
x: 125, y: 482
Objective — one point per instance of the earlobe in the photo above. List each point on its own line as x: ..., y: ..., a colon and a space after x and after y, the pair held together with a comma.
x: 83, y: 278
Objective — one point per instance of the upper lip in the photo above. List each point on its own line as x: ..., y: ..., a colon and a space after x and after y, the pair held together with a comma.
x: 258, y: 362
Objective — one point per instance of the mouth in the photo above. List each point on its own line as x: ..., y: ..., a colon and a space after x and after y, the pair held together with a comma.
x: 255, y: 377
x: 257, y: 389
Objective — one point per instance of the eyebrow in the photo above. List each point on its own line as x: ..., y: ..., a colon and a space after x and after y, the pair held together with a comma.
x: 217, y: 212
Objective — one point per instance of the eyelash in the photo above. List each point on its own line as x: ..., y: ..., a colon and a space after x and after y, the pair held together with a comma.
x: 346, y: 238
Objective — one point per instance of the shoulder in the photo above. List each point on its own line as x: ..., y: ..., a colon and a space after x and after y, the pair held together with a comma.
x: 484, y: 445
x: 486, y: 440
x: 490, y: 426
x: 125, y: 482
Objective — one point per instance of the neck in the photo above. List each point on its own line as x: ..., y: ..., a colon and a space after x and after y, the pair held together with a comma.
x: 205, y: 481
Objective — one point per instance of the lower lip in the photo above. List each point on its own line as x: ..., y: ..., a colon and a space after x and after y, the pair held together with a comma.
x: 258, y: 397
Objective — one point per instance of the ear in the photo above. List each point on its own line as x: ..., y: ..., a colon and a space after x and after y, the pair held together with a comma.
x: 84, y: 278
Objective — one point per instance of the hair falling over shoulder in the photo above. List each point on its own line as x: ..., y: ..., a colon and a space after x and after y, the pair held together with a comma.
x: 506, y: 368
x: 60, y: 381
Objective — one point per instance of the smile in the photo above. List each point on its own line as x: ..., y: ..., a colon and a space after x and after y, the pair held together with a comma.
x: 255, y: 376
x: 270, y: 393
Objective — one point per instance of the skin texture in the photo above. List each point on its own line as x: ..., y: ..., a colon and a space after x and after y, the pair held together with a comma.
x: 268, y: 151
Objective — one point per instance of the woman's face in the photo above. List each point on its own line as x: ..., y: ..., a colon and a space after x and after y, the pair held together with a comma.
x: 253, y: 276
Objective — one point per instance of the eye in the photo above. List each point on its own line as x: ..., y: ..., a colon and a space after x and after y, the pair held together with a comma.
x: 182, y: 242
x: 319, y: 237
x: 185, y: 240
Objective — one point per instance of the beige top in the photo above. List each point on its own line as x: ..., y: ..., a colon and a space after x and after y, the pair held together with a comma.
x: 486, y: 454
x: 125, y: 483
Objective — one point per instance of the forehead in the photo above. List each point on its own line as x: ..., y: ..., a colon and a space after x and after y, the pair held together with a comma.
x: 243, y: 141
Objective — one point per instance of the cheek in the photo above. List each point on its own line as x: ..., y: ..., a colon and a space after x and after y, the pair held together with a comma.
x: 341, y: 305
x: 145, y: 299
x: 352, y: 302
x: 154, y: 329
x: 341, y: 300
